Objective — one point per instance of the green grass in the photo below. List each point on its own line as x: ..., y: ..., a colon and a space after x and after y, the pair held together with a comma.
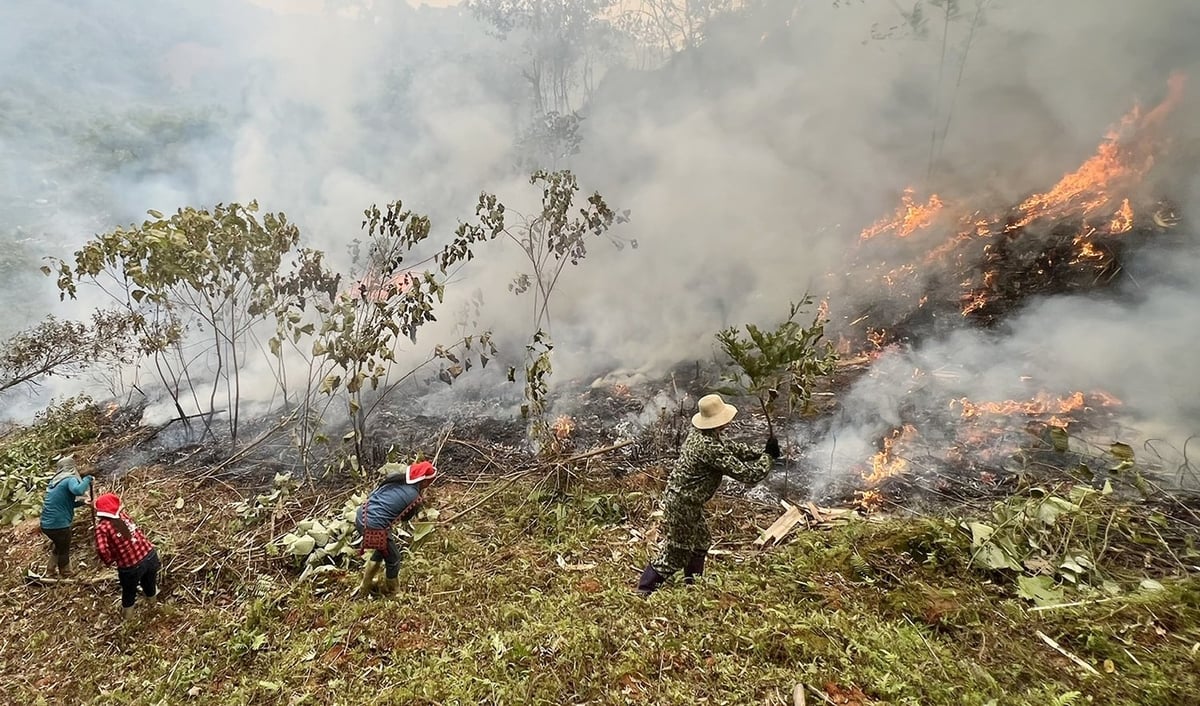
x: 886, y: 612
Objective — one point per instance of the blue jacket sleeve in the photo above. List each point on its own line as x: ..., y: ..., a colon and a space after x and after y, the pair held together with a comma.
x: 79, y: 487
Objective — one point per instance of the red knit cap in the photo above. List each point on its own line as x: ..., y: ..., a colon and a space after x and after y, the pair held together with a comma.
x: 419, y: 471
x: 108, y: 505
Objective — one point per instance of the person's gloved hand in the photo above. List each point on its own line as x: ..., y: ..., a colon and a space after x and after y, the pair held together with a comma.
x: 773, y: 448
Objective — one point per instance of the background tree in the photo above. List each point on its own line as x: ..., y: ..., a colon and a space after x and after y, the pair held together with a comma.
x: 561, y: 43
x: 199, y: 282
x: 65, y: 348
x: 550, y: 239
x: 665, y: 27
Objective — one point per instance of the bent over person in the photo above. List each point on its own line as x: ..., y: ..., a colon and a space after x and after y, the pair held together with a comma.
x: 64, y: 494
x: 121, y: 543
x: 704, y: 459
x: 396, y: 496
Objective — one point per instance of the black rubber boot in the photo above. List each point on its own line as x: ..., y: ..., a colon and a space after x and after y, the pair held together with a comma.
x: 695, y: 567
x: 649, y: 581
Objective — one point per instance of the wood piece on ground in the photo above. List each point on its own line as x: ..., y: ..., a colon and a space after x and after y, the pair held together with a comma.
x: 597, y: 452
x: 798, y: 696
x: 1074, y: 658
x: 828, y: 516
x: 1073, y: 604
x: 791, y: 517
x: 34, y: 579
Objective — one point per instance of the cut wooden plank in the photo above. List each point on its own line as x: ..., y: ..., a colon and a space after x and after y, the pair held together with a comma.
x: 791, y: 517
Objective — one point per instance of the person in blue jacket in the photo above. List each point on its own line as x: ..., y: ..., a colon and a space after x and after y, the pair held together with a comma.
x: 397, y: 495
x: 65, y: 493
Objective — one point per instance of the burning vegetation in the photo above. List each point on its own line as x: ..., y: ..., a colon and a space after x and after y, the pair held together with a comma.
x: 939, y: 263
x: 983, y: 263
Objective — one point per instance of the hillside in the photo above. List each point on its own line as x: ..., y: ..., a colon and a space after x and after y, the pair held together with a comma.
x: 516, y: 597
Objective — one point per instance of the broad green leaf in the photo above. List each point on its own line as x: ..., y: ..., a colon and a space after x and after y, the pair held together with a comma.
x: 980, y: 533
x: 1072, y: 566
x: 303, y: 546
x: 1053, y: 506
x: 1039, y: 589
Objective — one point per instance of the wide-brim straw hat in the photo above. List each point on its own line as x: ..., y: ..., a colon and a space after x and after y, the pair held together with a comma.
x: 714, y: 412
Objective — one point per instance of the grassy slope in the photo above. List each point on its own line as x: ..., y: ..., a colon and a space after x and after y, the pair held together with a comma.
x: 488, y: 614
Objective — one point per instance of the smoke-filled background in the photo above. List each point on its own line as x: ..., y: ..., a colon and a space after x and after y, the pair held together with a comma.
x: 749, y: 161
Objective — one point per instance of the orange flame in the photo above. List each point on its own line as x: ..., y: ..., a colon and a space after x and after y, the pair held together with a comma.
x: 1127, y: 152
x: 909, y: 218
x: 1122, y: 222
x: 1041, y: 404
x: 562, y: 427
x: 870, y: 500
x: 886, y: 464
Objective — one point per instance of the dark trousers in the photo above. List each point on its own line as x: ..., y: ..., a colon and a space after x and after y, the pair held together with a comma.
x: 391, y: 557
x: 143, y: 575
x: 62, y: 544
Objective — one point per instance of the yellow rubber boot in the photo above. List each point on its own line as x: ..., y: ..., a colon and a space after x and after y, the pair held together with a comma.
x: 368, y: 579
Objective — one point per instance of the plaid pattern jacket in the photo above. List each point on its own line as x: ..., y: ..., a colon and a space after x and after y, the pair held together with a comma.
x: 115, y: 549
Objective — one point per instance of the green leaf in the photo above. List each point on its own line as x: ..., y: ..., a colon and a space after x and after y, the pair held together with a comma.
x: 1150, y: 586
x: 988, y: 553
x: 1123, y: 452
x: 1039, y: 589
x: 329, y: 383
x: 1059, y: 439
x: 1053, y: 506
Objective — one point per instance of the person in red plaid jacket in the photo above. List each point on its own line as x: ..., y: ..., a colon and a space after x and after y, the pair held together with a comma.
x: 120, y: 542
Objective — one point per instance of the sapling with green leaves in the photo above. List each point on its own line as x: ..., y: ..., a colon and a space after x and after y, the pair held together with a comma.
x: 550, y: 239
x: 791, y: 357
x: 197, y: 283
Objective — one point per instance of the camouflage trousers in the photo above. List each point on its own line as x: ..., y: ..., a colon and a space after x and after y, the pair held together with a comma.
x: 686, y: 536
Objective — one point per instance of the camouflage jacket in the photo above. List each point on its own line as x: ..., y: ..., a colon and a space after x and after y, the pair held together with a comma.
x: 704, y: 459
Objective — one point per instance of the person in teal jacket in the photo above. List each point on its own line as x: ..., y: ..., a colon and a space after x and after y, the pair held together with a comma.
x: 65, y: 493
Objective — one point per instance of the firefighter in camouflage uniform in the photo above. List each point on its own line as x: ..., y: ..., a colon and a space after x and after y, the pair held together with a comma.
x: 703, y: 461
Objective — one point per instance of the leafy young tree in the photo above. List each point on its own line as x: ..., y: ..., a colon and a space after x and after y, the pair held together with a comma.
x: 550, y: 239
x: 358, y: 332
x: 65, y: 348
x: 791, y: 357
x: 200, y: 282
